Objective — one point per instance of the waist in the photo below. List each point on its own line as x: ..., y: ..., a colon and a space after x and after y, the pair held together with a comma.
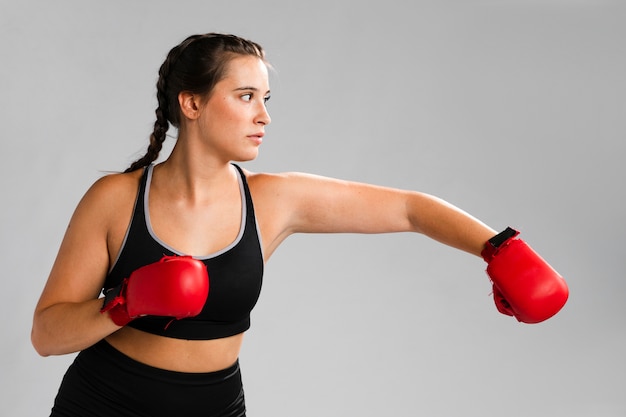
x: 180, y: 355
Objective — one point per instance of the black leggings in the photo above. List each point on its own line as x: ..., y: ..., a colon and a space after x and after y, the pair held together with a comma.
x: 103, y: 382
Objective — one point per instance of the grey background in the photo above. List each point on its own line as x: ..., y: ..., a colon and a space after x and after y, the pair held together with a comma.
x: 512, y: 110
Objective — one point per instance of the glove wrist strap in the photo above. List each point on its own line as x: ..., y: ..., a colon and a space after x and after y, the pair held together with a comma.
x: 492, y: 245
x: 115, y: 304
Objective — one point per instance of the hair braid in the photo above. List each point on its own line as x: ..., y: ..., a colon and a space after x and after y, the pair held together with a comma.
x: 161, y: 125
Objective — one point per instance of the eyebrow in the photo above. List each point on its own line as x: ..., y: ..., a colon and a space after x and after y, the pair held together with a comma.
x: 247, y: 88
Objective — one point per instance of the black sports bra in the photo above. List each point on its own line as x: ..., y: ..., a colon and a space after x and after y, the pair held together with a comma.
x: 235, y: 272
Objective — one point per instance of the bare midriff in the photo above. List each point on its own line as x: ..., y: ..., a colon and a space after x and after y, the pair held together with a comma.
x: 179, y: 355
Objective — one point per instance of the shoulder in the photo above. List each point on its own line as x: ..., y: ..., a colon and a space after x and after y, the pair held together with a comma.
x: 97, y: 225
x: 119, y: 185
x: 109, y: 195
x: 274, y: 194
x: 295, y: 191
x: 273, y: 186
x: 265, y: 180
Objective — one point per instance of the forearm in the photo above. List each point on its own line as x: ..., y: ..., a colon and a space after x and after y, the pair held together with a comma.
x: 446, y: 223
x: 69, y: 327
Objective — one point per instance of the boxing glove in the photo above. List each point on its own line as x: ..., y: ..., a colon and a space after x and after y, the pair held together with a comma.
x: 524, y: 285
x: 175, y: 286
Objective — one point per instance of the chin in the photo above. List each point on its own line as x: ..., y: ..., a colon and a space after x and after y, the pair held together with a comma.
x: 246, y: 158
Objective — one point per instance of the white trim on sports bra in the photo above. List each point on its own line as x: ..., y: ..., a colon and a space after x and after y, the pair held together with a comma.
x: 242, y: 224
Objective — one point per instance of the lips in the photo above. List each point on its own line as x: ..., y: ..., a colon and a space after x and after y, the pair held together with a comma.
x: 257, y: 137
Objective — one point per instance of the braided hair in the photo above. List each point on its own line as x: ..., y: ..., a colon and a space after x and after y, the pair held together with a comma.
x: 195, y: 65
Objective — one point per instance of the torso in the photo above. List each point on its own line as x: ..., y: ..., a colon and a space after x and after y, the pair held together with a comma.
x: 190, y: 221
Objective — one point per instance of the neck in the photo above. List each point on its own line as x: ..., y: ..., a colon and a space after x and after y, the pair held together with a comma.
x: 194, y: 175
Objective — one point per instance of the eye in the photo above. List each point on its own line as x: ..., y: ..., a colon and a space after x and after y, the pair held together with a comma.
x: 247, y: 97
x: 266, y: 98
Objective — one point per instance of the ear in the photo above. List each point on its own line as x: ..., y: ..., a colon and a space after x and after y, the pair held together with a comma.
x: 189, y: 105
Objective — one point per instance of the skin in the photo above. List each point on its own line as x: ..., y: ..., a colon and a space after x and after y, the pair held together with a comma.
x: 196, y: 190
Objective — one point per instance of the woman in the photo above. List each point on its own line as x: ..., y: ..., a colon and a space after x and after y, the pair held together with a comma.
x: 214, y: 89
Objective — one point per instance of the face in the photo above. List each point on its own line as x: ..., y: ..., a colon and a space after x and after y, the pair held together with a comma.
x: 232, y: 120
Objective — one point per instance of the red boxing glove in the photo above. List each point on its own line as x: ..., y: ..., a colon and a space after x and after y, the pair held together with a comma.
x: 524, y: 285
x: 175, y: 286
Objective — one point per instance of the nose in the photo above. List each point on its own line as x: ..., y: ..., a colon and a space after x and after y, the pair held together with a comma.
x: 263, y: 117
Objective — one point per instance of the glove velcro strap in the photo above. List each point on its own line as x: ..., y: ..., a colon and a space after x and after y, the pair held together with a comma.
x: 113, y: 297
x: 115, y: 304
x: 492, y: 245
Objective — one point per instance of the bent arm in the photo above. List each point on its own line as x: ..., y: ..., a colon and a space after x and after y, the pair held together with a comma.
x: 68, y: 327
x: 67, y: 317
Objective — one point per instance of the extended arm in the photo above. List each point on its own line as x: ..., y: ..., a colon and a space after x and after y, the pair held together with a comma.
x: 524, y: 285
x: 303, y: 203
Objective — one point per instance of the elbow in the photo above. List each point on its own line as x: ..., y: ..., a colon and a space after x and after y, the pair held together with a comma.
x: 39, y: 346
x: 39, y: 342
x: 39, y: 338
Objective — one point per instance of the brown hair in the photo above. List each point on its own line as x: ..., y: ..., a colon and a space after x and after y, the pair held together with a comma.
x: 195, y: 65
